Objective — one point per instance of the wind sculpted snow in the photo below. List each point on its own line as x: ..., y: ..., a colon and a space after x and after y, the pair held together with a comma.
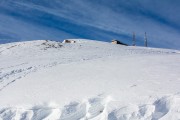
x: 97, y: 108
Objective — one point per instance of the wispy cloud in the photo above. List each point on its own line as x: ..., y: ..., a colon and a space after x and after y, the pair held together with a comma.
x: 93, y: 19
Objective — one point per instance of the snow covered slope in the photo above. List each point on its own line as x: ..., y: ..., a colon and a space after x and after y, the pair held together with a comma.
x: 88, y: 80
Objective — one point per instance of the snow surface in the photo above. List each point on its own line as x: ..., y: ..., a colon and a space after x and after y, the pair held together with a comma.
x: 88, y: 80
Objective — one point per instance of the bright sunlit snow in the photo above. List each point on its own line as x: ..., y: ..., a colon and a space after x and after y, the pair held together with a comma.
x: 88, y: 80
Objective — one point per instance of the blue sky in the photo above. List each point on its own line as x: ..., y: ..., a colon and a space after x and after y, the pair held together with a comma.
x: 92, y: 19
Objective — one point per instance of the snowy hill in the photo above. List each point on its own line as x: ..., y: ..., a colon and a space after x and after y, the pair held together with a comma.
x: 88, y: 80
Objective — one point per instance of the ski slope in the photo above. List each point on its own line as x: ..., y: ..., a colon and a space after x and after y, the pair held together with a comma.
x: 88, y: 80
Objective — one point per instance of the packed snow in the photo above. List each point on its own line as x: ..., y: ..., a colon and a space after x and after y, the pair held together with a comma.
x: 88, y: 80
